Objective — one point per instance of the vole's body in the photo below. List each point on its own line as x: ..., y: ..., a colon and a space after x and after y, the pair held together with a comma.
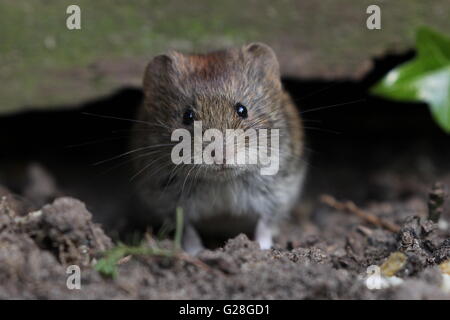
x: 212, y: 84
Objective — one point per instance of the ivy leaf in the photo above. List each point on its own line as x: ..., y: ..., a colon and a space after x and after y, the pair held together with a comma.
x: 426, y: 78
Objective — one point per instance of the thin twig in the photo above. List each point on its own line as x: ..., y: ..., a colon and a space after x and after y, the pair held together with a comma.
x: 351, y: 207
x: 192, y: 260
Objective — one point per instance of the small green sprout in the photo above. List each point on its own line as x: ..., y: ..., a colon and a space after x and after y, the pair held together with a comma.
x: 107, y: 266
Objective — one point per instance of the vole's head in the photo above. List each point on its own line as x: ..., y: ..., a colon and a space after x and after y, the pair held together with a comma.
x: 237, y: 88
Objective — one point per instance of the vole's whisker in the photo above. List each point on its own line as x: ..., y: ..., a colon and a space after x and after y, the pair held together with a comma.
x: 115, y: 118
x: 332, y: 106
x: 171, y: 175
x: 321, y: 129
x: 185, y: 179
x: 158, y: 169
x: 310, y: 149
x: 132, y: 151
x: 311, y: 120
x: 162, y: 125
x: 316, y: 92
x: 149, y: 129
x: 147, y: 154
x: 145, y: 167
x: 96, y: 141
x: 197, y: 170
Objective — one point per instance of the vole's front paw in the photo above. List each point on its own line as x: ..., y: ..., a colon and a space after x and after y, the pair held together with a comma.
x: 192, y: 243
x: 263, y: 235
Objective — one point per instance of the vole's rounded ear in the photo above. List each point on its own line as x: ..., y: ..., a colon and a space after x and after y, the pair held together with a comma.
x: 264, y: 57
x: 157, y: 70
x: 259, y: 49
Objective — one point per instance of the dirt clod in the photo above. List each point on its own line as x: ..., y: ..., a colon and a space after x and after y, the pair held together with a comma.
x: 436, y: 201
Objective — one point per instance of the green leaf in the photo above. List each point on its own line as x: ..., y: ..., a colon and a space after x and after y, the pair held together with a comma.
x: 434, y: 88
x: 398, y: 84
x: 426, y: 78
x: 433, y: 46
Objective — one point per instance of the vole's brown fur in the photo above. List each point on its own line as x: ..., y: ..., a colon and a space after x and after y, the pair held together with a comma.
x: 211, y: 85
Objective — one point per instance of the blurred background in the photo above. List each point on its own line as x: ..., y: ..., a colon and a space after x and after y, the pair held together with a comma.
x: 45, y: 65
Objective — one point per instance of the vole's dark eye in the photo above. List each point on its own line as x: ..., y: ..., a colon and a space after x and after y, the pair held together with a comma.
x: 188, y: 116
x: 241, y: 110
